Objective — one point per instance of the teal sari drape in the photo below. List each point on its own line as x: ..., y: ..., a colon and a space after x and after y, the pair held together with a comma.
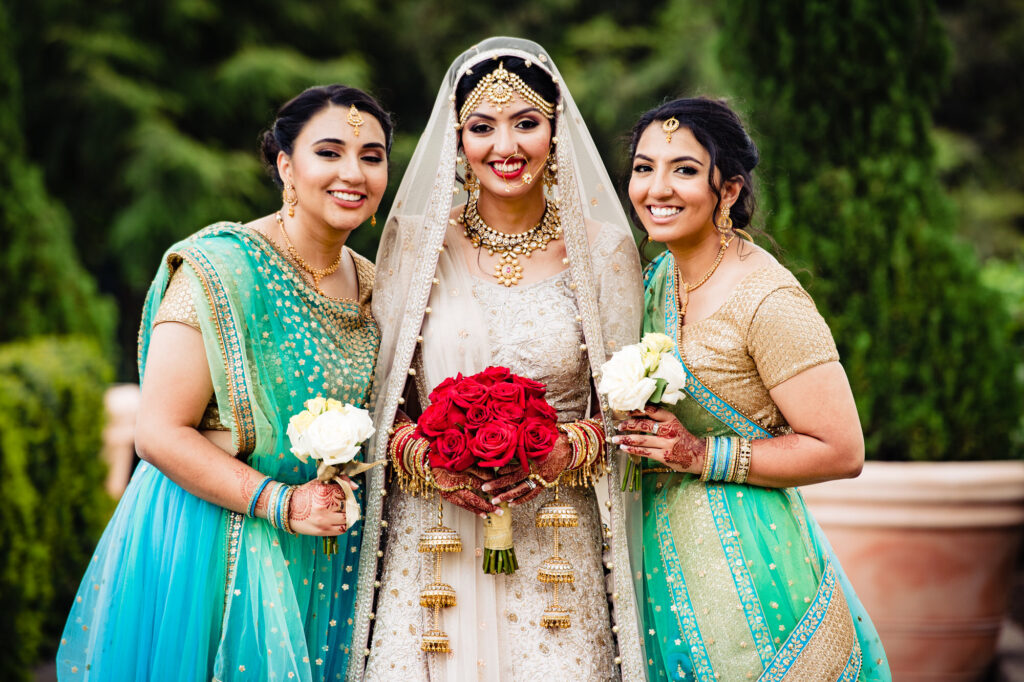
x: 739, y: 582
x: 181, y: 589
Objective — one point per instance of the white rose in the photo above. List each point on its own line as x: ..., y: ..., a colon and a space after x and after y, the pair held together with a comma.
x: 316, y: 405
x: 297, y: 426
x: 674, y: 375
x: 659, y: 343
x: 623, y: 381
x: 335, y: 436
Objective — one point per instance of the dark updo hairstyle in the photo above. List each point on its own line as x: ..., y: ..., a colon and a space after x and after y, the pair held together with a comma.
x: 720, y: 131
x: 534, y: 76
x: 296, y: 112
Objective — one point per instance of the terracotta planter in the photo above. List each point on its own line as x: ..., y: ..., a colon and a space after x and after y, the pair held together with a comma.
x: 930, y: 549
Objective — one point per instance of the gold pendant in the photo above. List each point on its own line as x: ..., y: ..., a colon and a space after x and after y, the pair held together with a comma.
x: 508, y: 271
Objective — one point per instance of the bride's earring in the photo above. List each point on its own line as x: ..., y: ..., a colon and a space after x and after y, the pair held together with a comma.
x: 438, y: 595
x: 550, y: 179
x: 470, y: 184
x: 555, y: 570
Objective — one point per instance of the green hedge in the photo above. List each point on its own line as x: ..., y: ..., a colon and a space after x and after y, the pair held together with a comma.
x: 52, y: 501
x: 839, y: 98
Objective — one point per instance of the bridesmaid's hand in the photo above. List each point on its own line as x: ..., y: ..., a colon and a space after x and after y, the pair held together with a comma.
x: 459, y: 489
x: 657, y: 434
x: 318, y: 508
x: 517, y: 488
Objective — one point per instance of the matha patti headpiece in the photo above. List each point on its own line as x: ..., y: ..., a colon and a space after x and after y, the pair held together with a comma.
x: 668, y: 127
x: 499, y: 87
x: 355, y: 119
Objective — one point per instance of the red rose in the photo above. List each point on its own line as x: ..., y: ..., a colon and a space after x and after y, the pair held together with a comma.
x: 451, y: 451
x: 493, y: 375
x: 534, y: 389
x: 536, y: 441
x: 444, y: 387
x: 468, y: 392
x: 439, y: 417
x: 495, y: 444
x: 540, y: 409
x: 477, y: 416
x: 505, y: 412
x: 508, y: 392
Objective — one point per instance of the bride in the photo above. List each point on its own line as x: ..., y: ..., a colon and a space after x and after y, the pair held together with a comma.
x: 505, y: 162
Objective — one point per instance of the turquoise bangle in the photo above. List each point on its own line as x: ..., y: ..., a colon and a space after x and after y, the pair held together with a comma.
x: 275, y: 495
x: 280, y: 506
x: 250, y: 509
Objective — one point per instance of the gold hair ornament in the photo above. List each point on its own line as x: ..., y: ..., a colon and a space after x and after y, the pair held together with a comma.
x: 355, y: 119
x: 499, y: 87
x: 668, y: 127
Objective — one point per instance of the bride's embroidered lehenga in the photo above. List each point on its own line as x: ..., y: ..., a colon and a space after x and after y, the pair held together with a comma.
x: 182, y: 589
x: 559, y: 331
x: 739, y: 581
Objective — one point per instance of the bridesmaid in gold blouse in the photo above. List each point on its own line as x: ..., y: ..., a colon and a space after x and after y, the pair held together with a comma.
x: 739, y: 581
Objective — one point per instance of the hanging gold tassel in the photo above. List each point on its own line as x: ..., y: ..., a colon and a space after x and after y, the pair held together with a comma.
x: 556, y: 570
x: 438, y: 595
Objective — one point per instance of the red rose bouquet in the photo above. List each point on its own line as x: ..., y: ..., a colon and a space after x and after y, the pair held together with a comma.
x: 491, y: 419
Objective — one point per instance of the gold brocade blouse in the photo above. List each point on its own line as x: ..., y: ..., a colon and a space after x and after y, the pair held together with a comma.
x: 768, y: 330
x: 178, y: 305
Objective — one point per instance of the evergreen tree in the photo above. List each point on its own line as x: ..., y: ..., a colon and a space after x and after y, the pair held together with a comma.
x: 45, y: 289
x: 840, y: 98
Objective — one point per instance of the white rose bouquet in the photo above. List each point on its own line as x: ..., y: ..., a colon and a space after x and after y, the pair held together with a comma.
x: 332, y: 432
x: 641, y: 373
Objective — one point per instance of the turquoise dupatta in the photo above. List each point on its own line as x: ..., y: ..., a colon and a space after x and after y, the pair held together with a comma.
x: 739, y: 582
x: 180, y: 589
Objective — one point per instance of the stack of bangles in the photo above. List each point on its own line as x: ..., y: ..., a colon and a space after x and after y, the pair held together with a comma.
x: 279, y: 503
x: 727, y: 459
x: 410, y: 454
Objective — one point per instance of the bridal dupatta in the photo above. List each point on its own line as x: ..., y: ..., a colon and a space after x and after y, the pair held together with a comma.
x: 182, y: 589
x: 739, y: 580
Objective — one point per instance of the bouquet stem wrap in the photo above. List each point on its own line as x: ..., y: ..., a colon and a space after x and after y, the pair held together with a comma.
x: 499, y: 552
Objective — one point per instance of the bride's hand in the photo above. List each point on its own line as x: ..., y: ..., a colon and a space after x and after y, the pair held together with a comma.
x: 517, y: 488
x: 318, y: 508
x: 459, y: 489
x: 657, y: 434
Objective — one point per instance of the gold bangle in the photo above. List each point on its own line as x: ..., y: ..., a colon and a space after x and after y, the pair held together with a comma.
x: 706, y: 471
x: 743, y: 467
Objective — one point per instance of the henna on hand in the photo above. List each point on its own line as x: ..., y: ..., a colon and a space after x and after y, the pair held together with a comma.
x: 642, y: 425
x: 557, y: 461
x: 302, y: 504
x: 685, y: 450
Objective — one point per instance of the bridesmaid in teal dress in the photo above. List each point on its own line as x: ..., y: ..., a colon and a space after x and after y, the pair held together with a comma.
x: 212, y: 567
x: 739, y: 582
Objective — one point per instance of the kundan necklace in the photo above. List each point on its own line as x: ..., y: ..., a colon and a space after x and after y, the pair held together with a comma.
x: 683, y: 289
x: 316, y: 273
x: 508, y: 270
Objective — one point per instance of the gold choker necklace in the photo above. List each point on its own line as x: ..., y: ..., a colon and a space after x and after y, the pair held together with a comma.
x: 684, y: 289
x: 508, y: 270
x: 316, y: 273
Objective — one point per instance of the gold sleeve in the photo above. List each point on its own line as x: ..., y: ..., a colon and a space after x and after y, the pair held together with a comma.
x: 788, y: 335
x: 177, y: 304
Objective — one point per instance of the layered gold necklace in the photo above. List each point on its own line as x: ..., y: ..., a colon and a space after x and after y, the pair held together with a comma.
x: 316, y: 273
x: 508, y: 270
x: 683, y: 289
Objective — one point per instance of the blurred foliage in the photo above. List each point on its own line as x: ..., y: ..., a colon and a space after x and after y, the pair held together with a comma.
x: 144, y: 119
x: 852, y: 194
x: 51, y: 482
x: 46, y: 290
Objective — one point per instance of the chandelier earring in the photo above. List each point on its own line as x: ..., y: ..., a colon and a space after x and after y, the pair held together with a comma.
x: 471, y: 184
x: 290, y: 198
x: 724, y: 223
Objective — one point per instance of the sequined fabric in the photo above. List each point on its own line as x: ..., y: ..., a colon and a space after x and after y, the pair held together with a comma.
x: 767, y: 331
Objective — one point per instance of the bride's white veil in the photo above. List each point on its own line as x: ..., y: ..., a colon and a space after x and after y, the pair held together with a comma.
x: 431, y: 328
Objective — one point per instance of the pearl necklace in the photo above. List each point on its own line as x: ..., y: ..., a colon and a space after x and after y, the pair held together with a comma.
x: 508, y: 270
x: 316, y: 273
